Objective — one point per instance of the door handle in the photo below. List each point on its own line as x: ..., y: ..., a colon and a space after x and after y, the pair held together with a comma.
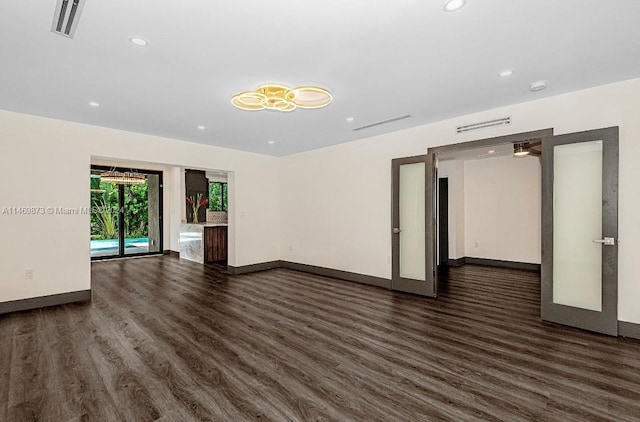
x: 607, y: 241
x: 396, y: 230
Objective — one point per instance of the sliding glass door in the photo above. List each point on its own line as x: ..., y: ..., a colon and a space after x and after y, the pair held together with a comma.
x: 126, y: 212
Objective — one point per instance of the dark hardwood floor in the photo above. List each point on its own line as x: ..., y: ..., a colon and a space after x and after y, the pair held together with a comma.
x: 171, y: 340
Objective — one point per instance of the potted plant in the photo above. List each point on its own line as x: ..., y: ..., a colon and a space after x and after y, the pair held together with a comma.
x: 196, y: 201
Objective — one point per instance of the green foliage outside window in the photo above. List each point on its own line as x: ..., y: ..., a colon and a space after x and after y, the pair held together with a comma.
x: 136, y: 211
x: 218, y: 196
x: 105, y: 210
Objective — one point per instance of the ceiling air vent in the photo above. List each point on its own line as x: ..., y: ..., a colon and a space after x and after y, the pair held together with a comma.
x: 384, y: 122
x: 66, y: 16
x: 505, y: 121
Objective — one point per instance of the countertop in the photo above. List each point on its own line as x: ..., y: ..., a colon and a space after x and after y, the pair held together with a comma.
x: 192, y: 240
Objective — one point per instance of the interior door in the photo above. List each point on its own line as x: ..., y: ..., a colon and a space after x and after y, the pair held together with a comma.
x: 580, y: 230
x: 413, y: 259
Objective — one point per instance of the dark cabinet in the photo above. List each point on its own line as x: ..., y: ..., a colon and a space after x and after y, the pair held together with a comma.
x: 196, y: 183
x: 215, y: 243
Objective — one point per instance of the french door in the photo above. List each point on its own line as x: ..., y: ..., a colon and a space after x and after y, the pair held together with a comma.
x: 412, y: 252
x: 580, y: 230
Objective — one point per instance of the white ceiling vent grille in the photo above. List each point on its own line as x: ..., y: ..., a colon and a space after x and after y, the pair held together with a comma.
x: 504, y: 121
x: 66, y: 16
x: 384, y: 122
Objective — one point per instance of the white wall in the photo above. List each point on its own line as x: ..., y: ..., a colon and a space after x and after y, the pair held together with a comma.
x: 45, y: 162
x: 494, y: 208
x: 461, y: 230
x: 175, y: 177
x: 502, y: 208
x: 336, y: 208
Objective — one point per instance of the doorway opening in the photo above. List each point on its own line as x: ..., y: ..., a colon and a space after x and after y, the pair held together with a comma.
x: 488, y: 207
x: 126, y: 212
x: 576, y: 221
x: 443, y: 222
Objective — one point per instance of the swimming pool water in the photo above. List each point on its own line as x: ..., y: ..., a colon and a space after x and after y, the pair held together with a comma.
x: 100, y: 245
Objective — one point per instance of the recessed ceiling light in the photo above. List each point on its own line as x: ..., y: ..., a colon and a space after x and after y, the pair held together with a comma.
x: 350, y: 119
x: 505, y: 73
x: 491, y: 151
x: 94, y: 104
x: 201, y: 127
x: 140, y: 42
x: 537, y: 86
x: 453, y: 5
x: 271, y: 142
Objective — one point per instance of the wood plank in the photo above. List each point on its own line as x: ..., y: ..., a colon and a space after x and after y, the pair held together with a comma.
x: 7, y: 329
x: 32, y: 384
x: 83, y: 386
x: 166, y: 339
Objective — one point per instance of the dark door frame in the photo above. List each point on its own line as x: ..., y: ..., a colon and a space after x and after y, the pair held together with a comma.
x: 432, y: 160
x: 121, y: 237
x: 606, y: 321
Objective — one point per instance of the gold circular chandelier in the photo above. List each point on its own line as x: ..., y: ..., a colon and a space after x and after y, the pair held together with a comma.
x: 282, y: 98
x: 123, y: 178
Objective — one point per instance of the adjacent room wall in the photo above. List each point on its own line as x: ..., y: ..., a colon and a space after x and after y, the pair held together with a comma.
x: 502, y: 203
x: 494, y: 208
x: 45, y: 163
x: 336, y: 203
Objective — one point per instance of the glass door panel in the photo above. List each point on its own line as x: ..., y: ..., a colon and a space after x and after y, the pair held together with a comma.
x: 412, y: 221
x: 105, y: 219
x: 136, y: 219
x: 580, y: 230
x: 577, y: 221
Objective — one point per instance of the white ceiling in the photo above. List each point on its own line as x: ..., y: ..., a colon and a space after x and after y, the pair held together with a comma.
x: 380, y: 59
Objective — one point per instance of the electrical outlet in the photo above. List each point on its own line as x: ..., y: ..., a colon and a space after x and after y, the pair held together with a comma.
x: 28, y: 274
x: 290, y: 248
x: 477, y: 244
